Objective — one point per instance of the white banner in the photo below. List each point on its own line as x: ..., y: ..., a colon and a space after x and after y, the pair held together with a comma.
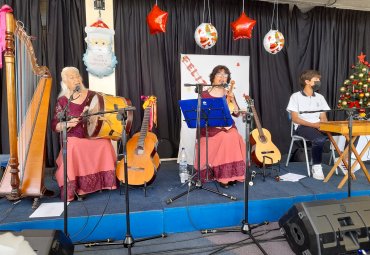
x: 196, y: 69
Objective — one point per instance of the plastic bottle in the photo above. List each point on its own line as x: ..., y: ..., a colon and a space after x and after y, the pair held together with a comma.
x: 183, y: 166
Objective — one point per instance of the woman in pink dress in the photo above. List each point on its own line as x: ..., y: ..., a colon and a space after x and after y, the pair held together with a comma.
x: 226, y: 147
x: 90, y: 162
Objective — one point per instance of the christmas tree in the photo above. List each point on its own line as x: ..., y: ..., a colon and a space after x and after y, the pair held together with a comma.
x: 355, y: 91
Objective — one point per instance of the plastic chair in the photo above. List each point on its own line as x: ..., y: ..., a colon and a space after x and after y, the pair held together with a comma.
x: 304, y: 141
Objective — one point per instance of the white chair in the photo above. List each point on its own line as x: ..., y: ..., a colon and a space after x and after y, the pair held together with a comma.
x: 304, y: 141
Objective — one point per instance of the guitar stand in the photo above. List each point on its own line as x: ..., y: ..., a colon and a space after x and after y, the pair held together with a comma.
x: 271, y: 167
x: 144, y: 187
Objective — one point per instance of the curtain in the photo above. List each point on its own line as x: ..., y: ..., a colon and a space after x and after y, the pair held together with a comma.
x: 28, y: 12
x: 325, y: 39
x: 65, y: 47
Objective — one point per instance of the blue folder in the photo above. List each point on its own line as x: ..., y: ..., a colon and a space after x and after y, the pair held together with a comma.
x: 213, y: 110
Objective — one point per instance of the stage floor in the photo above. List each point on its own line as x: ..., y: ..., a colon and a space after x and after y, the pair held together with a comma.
x: 102, y: 215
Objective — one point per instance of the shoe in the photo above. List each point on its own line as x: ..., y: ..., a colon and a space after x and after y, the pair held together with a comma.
x: 317, y: 172
x: 224, y: 185
x: 232, y: 183
x: 344, y: 169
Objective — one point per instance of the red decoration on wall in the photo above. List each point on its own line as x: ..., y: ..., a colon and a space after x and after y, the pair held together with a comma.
x: 157, y: 20
x: 242, y: 27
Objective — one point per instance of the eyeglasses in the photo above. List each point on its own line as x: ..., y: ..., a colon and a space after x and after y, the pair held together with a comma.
x: 224, y: 75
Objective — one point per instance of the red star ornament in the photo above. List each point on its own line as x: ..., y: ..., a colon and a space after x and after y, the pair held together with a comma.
x: 361, y: 58
x: 157, y: 20
x: 242, y: 27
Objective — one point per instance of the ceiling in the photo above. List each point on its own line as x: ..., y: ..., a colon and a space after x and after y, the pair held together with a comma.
x: 305, y: 5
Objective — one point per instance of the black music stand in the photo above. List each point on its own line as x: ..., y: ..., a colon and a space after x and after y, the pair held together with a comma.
x: 210, y: 112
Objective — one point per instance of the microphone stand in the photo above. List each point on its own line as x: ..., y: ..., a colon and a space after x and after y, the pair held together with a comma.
x: 246, y: 228
x: 63, y: 118
x: 198, y: 183
x: 350, y: 126
x: 129, y: 241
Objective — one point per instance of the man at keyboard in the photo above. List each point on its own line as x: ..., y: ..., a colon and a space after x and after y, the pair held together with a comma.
x: 307, y: 123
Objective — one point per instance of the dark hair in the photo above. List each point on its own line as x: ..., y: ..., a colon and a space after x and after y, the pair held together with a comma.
x: 308, y: 75
x: 216, y: 70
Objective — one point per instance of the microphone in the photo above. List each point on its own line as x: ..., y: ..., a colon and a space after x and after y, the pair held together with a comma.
x: 77, y: 88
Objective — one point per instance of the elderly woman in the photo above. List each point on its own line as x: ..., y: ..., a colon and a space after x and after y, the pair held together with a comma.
x: 91, y: 162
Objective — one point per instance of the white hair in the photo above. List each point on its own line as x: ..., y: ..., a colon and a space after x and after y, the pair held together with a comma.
x: 64, y: 89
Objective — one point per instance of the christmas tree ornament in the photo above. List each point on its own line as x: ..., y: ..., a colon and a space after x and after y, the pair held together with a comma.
x: 364, y: 70
x: 205, y: 34
x: 273, y: 41
x: 342, y: 89
x: 242, y: 27
x: 157, y: 20
x: 360, y: 75
x: 99, y: 58
x: 367, y: 94
x: 344, y: 103
x: 361, y: 95
x: 361, y: 58
x: 346, y: 82
x: 352, y: 77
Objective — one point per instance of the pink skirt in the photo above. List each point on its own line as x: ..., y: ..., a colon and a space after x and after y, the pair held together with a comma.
x: 226, y: 157
x: 90, y: 166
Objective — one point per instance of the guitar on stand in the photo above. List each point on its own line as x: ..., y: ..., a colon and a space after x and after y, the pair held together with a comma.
x: 142, y: 157
x: 264, y: 151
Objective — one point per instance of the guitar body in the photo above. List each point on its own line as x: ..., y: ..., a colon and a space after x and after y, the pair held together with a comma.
x: 142, y: 162
x: 263, y: 147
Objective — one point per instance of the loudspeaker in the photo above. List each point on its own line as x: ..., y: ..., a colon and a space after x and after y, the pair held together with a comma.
x: 48, y: 242
x: 328, y: 227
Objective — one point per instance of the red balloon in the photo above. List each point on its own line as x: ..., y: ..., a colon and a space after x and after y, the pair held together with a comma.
x: 242, y: 27
x: 157, y: 20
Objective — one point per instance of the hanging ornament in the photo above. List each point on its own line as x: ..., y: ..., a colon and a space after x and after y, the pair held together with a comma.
x: 242, y: 27
x: 274, y: 40
x: 205, y: 34
x: 157, y: 20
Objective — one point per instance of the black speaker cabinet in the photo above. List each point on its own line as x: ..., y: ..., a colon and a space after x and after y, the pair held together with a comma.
x: 48, y: 242
x: 328, y: 227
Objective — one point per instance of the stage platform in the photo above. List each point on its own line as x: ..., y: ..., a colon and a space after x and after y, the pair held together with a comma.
x: 102, y: 215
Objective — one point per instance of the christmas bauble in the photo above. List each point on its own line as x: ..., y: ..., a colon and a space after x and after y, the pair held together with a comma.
x: 360, y: 75
x: 273, y: 41
x: 344, y: 103
x: 347, y: 81
x: 352, y: 77
x: 205, y: 35
x: 361, y: 95
x: 364, y: 69
x: 342, y: 89
x: 367, y: 94
x: 360, y: 83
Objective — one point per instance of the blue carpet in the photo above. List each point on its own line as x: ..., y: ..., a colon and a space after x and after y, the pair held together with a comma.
x: 102, y: 215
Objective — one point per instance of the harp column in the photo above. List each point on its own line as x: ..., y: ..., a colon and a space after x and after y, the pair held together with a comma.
x: 12, y: 107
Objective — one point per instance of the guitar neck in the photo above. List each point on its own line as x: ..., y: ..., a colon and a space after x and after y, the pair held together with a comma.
x: 144, y: 127
x: 257, y: 120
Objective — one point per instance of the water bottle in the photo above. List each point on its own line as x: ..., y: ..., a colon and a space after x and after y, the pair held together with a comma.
x: 183, y: 166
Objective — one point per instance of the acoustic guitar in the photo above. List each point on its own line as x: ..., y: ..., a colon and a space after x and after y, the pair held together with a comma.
x: 263, y: 149
x: 142, y: 157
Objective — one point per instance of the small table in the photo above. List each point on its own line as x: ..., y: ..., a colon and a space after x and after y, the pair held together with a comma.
x: 341, y: 127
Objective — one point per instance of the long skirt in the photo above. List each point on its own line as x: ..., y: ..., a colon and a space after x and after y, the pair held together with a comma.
x: 226, y: 157
x: 90, y: 167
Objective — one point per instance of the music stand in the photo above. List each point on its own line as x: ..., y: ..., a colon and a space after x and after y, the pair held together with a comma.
x: 209, y: 112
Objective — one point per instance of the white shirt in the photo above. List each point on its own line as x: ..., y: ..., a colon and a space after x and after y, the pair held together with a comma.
x: 300, y: 102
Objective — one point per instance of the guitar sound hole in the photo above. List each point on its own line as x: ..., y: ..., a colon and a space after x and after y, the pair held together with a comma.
x: 139, y: 150
x: 263, y: 139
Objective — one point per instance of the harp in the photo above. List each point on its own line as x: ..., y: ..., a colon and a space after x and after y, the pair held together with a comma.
x: 28, y: 95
